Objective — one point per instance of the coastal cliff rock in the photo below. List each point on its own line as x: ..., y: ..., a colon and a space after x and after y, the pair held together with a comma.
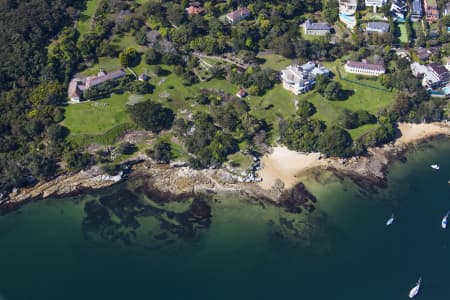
x: 162, y: 183
x: 63, y: 185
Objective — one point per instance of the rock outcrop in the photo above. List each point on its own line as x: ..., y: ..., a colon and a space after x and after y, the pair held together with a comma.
x: 64, y: 185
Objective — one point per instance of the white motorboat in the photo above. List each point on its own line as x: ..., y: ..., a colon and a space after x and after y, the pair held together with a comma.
x: 444, y: 220
x: 435, y: 166
x: 390, y: 220
x: 415, y: 290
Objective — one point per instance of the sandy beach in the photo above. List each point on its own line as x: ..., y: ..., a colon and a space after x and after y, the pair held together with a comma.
x: 287, y: 165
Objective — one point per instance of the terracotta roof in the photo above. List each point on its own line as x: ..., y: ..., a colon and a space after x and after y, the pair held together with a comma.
x: 73, y: 88
x: 90, y: 82
x: 194, y: 10
x: 238, y: 14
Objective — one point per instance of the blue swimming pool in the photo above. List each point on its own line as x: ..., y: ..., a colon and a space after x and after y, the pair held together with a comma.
x: 346, y: 18
x: 446, y: 90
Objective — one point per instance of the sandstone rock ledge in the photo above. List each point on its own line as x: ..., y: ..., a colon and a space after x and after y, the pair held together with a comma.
x: 63, y: 185
x: 186, y: 181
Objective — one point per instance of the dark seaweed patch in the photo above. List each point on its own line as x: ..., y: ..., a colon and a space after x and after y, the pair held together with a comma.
x: 298, y: 197
x: 114, y: 217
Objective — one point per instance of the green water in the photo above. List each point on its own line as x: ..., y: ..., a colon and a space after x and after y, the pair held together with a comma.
x: 342, y: 250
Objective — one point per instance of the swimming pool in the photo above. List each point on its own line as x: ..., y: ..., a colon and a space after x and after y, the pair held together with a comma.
x: 349, y: 20
x: 446, y: 90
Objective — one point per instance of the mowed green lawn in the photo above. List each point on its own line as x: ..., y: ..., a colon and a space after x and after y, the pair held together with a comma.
x: 96, y: 117
x: 84, y: 19
x: 361, y: 97
x: 403, y: 35
x: 274, y: 61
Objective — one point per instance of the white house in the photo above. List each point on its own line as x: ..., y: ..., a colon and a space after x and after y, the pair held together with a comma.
x: 316, y: 28
x: 375, y: 4
x: 433, y: 75
x: 364, y: 68
x: 238, y: 15
x: 301, y: 79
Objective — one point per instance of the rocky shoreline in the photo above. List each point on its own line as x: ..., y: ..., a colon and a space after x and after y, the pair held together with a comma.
x: 165, y: 183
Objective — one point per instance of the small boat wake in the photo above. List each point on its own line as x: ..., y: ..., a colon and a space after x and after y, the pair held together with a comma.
x: 415, y: 290
x: 444, y: 220
x: 390, y: 220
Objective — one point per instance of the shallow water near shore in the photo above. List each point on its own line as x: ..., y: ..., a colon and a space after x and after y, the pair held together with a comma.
x: 117, y: 244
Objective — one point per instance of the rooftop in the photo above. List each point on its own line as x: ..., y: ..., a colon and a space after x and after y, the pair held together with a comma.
x: 316, y: 26
x: 304, y: 74
x: 438, y: 68
x: 92, y: 81
x: 382, y: 26
x: 417, y: 6
x: 239, y: 13
x: 367, y: 66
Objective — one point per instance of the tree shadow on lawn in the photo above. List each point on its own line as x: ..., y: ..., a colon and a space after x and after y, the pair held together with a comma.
x: 345, y: 94
x: 164, y: 72
x: 260, y: 60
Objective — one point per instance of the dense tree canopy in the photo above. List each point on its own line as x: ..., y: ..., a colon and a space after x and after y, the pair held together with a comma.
x: 151, y: 115
x: 31, y: 84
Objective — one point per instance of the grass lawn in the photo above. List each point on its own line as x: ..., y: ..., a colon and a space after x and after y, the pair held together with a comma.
x: 125, y: 41
x: 370, y: 16
x: 96, y: 117
x: 357, y: 132
x: 403, y: 35
x: 274, y: 61
x: 361, y: 98
x: 104, y: 63
x: 244, y: 161
x: 274, y: 104
x: 101, y: 116
x: 84, y: 19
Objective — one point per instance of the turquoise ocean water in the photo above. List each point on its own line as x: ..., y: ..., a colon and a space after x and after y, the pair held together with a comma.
x: 114, y: 244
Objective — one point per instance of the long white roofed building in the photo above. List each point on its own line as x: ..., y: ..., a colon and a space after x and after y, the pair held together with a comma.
x: 364, y: 68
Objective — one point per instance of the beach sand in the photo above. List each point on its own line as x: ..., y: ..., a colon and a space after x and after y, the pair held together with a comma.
x: 416, y: 132
x: 286, y: 165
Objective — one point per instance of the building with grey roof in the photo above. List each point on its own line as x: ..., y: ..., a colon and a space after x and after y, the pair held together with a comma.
x: 416, y: 10
x: 316, y: 28
x: 399, y: 10
x: 78, y: 85
x: 447, y: 9
x: 103, y: 77
x: 238, y: 15
x: 377, y: 27
x: 433, y: 75
x: 364, y: 68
